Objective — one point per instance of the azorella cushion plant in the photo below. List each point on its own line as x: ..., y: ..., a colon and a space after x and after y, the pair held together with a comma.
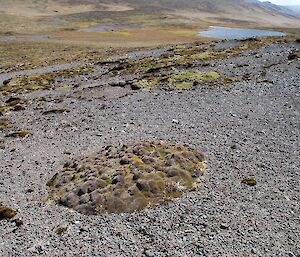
x: 127, y: 178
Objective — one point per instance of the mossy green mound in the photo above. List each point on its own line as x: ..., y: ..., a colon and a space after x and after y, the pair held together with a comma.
x: 127, y: 178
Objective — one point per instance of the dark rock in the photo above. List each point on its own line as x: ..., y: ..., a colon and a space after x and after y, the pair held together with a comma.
x: 18, y: 222
x: 135, y: 86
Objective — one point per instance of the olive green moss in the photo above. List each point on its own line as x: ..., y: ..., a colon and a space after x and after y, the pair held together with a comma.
x: 189, y: 75
x: 173, y: 69
x: 29, y: 83
x: 183, y: 80
x: 127, y: 178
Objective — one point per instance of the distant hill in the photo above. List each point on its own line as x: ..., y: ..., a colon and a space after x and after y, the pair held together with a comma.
x: 294, y: 9
x: 250, y: 13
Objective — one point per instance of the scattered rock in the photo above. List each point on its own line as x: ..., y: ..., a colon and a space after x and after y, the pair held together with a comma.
x: 6, y: 82
x: 233, y: 146
x: 135, y: 86
x: 29, y: 190
x: 18, y: 222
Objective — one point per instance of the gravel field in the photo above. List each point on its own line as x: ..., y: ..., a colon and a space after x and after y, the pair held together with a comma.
x: 250, y: 129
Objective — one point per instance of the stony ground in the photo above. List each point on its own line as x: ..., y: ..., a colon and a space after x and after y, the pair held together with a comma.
x: 247, y: 129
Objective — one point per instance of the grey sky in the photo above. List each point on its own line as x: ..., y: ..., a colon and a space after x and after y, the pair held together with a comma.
x: 286, y: 2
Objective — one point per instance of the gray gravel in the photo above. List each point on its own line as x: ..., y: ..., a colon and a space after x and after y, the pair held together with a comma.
x: 224, y: 218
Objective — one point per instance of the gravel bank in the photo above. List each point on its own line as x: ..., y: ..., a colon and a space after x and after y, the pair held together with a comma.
x: 248, y: 130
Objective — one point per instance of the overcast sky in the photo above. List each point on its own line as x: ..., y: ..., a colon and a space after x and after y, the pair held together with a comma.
x: 286, y: 2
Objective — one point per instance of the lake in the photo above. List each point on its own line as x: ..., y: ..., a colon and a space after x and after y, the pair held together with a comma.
x: 237, y: 33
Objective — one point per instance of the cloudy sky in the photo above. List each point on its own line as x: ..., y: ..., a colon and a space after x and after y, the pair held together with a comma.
x: 286, y: 2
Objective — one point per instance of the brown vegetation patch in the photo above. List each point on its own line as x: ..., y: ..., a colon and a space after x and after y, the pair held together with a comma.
x: 7, y: 212
x: 127, y: 178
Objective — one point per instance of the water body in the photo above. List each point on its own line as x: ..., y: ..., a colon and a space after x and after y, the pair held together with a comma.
x: 234, y: 33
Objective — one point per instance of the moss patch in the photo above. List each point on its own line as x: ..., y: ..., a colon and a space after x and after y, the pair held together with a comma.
x: 183, y: 80
x: 127, y: 178
x: 29, y: 83
x: 189, y: 75
x: 173, y: 70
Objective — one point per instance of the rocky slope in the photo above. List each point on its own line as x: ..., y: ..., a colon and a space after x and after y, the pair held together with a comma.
x: 248, y: 129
